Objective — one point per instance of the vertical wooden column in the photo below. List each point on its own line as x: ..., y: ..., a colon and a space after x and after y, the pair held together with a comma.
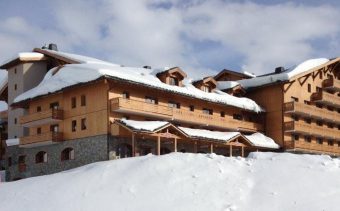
x: 242, y: 151
x: 133, y: 145
x: 175, y: 145
x: 195, y: 147
x: 211, y: 148
x: 159, y: 145
x: 230, y: 150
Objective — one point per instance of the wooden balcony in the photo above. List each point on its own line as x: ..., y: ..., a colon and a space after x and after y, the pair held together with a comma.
x: 311, y: 111
x: 326, y: 98
x: 331, y: 84
x: 51, y: 136
x: 50, y: 116
x: 181, y: 115
x: 311, y: 129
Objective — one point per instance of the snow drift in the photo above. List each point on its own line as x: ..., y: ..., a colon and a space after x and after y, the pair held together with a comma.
x: 264, y: 181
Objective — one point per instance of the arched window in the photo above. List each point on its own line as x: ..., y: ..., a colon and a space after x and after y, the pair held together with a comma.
x: 41, y: 157
x: 67, y: 154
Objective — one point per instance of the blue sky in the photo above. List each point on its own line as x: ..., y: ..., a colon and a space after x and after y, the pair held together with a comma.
x: 202, y: 37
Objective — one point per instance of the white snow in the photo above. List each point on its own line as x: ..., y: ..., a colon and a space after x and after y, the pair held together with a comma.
x: 301, y: 68
x: 3, y: 106
x: 12, y: 142
x: 222, y: 85
x: 79, y: 58
x: 260, y: 140
x: 184, y: 181
x: 24, y: 55
x: 249, y: 74
x: 202, y: 133
x: 144, y: 125
x: 80, y: 73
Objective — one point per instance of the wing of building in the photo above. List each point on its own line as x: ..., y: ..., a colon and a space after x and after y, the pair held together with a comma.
x: 68, y: 110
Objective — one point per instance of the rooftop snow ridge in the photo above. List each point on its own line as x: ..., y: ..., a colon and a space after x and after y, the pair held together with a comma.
x: 73, y: 74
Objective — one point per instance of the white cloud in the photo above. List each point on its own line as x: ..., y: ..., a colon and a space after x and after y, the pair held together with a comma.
x: 140, y: 33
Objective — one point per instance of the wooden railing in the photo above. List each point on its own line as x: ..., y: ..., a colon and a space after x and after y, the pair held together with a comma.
x: 182, y: 115
x: 325, y: 97
x: 311, y: 129
x: 331, y: 84
x: 311, y: 111
x: 54, y: 114
x: 51, y: 136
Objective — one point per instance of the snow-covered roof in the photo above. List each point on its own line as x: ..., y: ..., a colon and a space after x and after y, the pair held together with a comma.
x: 208, y: 134
x: 76, y: 57
x: 73, y: 74
x: 12, y: 142
x: 284, y: 76
x: 24, y: 56
x: 144, y: 125
x: 260, y: 140
x: 223, y: 85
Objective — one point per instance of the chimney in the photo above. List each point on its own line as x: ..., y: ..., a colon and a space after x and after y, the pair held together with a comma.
x: 53, y: 47
x: 279, y: 69
x: 147, y: 67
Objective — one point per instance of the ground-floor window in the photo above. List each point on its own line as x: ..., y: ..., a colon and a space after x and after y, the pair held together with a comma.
x: 67, y: 154
x: 41, y: 157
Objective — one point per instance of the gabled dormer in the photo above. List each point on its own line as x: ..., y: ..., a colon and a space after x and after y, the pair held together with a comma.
x: 173, y: 76
x: 230, y: 75
x: 237, y: 91
x: 207, y: 84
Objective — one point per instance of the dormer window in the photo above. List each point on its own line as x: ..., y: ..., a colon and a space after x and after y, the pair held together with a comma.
x: 206, y: 89
x: 207, y: 84
x: 173, y: 81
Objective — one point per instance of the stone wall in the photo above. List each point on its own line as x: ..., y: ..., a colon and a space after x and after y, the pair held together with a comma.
x: 86, y: 150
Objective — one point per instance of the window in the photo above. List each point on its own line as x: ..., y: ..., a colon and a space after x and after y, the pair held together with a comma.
x: 83, y: 124
x: 320, y: 75
x: 296, y: 137
x: 296, y: 118
x: 174, y: 81
x: 74, y: 125
x: 15, y: 86
x: 295, y: 99
x: 206, y: 89
x: 74, y: 102
x: 319, y: 141
x: 222, y: 114
x: 309, y: 88
x: 151, y: 100
x: 41, y: 157
x: 319, y: 123
x: 237, y: 116
x: 172, y: 104
x: 15, y: 70
x: 22, y: 159
x: 307, y: 102
x: 9, y: 161
x: 207, y: 111
x: 330, y: 143
x: 192, y: 108
x: 308, y: 121
x: 54, y: 105
x: 38, y: 108
x: 308, y: 139
x: 338, y: 144
x: 15, y: 120
x: 330, y: 125
x: 126, y: 95
x: 54, y: 128
x: 83, y: 100
x: 318, y: 89
x: 67, y: 154
x: 39, y: 130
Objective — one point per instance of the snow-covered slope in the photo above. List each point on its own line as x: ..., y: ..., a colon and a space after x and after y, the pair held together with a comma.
x: 264, y: 181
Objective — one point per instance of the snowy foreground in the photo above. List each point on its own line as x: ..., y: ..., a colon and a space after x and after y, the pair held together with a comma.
x: 264, y: 181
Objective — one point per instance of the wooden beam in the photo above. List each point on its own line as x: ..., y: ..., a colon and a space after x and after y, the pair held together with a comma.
x: 175, y: 145
x: 133, y: 145
x: 211, y: 148
x: 242, y: 151
x: 230, y: 150
x: 158, y: 145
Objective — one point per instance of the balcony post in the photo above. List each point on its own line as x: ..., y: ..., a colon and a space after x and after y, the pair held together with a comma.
x: 158, y: 145
x: 211, y: 148
x: 230, y: 150
x: 242, y: 151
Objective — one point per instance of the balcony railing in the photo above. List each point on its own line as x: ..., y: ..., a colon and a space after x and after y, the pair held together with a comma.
x: 40, y: 118
x: 311, y: 129
x: 51, y: 136
x: 181, y: 115
x: 331, y: 84
x: 326, y: 98
x: 311, y: 111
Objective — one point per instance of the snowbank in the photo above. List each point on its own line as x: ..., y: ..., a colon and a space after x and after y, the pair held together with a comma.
x: 12, y: 142
x: 81, y: 73
x: 263, y: 182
